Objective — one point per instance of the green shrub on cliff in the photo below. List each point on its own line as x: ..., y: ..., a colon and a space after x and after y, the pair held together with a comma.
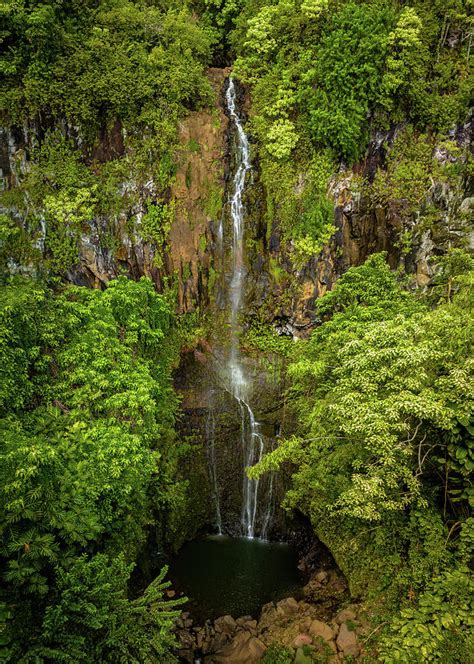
x: 324, y: 76
x: 110, y: 81
x: 342, y: 84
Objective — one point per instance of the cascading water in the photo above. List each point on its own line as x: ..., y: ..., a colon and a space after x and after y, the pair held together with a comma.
x: 211, y: 449
x: 251, y: 439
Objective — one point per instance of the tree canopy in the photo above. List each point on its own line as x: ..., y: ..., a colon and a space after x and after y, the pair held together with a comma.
x: 87, y: 463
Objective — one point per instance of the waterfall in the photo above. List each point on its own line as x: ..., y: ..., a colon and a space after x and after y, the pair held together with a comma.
x: 211, y: 442
x: 251, y: 439
x: 268, y: 512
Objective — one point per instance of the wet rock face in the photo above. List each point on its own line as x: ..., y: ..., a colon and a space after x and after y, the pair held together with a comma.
x: 198, y: 191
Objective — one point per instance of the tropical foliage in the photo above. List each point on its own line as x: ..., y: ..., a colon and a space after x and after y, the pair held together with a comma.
x: 93, y: 92
x: 384, y: 459
x: 87, y: 464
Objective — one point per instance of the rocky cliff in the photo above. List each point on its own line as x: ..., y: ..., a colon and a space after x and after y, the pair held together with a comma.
x: 412, y: 204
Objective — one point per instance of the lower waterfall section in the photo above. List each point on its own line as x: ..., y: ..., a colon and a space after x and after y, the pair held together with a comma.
x: 252, y: 446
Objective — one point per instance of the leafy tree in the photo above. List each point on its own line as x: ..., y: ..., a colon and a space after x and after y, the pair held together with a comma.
x: 92, y: 62
x: 383, y: 458
x: 87, y: 464
x: 405, y: 65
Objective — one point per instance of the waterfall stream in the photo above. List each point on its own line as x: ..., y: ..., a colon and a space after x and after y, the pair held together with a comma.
x: 211, y: 449
x: 251, y: 439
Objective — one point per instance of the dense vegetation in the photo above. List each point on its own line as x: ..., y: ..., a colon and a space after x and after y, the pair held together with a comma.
x: 88, y: 463
x: 82, y: 75
x: 89, y: 453
x: 383, y: 453
x: 327, y: 76
x: 325, y: 70
x: 384, y: 456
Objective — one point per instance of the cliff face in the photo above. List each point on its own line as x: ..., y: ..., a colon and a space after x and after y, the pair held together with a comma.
x: 195, y: 196
x: 376, y: 208
x: 412, y: 210
x: 198, y: 193
x: 193, y: 257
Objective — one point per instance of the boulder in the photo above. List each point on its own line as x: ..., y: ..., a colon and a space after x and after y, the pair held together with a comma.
x: 225, y: 625
x: 200, y: 638
x: 219, y: 642
x: 347, y: 642
x: 345, y: 615
x: 244, y: 647
x: 251, y: 626
x: 186, y: 640
x: 288, y: 606
x: 266, y: 608
x: 304, y: 624
x: 318, y: 628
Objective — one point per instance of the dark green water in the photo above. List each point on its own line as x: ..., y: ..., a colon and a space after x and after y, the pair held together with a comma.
x: 222, y: 575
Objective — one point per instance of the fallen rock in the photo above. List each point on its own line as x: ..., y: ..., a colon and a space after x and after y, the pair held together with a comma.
x: 225, y: 625
x: 200, y: 638
x: 347, y: 642
x: 287, y: 606
x: 321, y: 577
x: 318, y: 628
x: 302, y: 640
x: 345, y: 615
x: 304, y: 624
x: 326, y: 587
x: 186, y: 640
x: 244, y: 647
x: 250, y: 625
x: 219, y: 642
